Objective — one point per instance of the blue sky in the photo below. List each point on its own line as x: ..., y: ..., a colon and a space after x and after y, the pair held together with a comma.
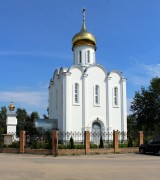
x: 35, y: 39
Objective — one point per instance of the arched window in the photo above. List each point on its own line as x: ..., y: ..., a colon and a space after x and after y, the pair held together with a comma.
x: 115, y: 96
x: 97, y: 95
x: 76, y: 93
x: 80, y: 56
x: 88, y: 56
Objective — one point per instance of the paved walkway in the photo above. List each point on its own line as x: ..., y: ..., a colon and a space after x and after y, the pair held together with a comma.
x: 93, y: 167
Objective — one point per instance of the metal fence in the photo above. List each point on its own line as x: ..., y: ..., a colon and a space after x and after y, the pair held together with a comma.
x: 39, y: 140
x: 42, y: 139
x: 101, y: 139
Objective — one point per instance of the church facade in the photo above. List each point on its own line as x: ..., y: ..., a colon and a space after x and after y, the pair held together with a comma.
x: 86, y: 96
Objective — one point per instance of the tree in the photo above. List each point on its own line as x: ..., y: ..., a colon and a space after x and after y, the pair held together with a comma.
x: 146, y: 107
x: 101, y: 143
x: 3, y: 117
x: 29, y: 127
x: 71, y: 143
x: 131, y: 123
x: 21, y: 119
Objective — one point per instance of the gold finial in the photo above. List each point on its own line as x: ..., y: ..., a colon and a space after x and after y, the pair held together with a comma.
x: 84, y: 18
x: 11, y: 106
x: 84, y: 14
x: 83, y: 37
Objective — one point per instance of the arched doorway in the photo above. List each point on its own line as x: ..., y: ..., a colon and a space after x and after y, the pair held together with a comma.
x: 96, y: 132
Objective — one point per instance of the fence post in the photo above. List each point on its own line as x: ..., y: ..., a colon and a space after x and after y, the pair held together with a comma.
x: 87, y: 142
x: 55, y: 143
x: 115, y: 141
x: 22, y: 141
x: 140, y: 138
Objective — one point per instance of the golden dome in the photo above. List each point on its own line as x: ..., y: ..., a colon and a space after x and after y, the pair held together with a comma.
x: 11, y: 106
x: 83, y: 37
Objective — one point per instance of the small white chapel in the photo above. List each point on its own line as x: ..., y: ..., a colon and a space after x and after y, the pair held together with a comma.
x: 86, y: 96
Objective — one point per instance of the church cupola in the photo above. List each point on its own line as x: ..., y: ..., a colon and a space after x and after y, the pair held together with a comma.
x: 84, y: 46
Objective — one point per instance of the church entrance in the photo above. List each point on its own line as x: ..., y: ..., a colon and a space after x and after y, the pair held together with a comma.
x: 96, y: 133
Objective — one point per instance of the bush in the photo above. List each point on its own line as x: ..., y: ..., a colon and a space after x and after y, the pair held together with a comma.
x: 39, y: 145
x: 62, y: 146
x: 14, y: 144
x: 101, y: 143
x: 71, y: 142
x: 79, y: 146
x: 123, y: 145
x: 110, y: 146
x: 93, y: 146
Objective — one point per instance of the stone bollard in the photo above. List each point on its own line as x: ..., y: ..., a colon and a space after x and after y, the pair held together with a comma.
x: 87, y: 142
x: 22, y: 141
x: 140, y: 137
x: 115, y: 141
x: 55, y: 143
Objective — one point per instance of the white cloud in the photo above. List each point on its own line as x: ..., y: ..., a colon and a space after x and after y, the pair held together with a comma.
x: 44, y: 54
x: 33, y: 98
x: 141, y: 74
x: 138, y: 76
x: 153, y: 70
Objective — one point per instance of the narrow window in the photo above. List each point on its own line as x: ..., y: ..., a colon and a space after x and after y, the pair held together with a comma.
x: 76, y: 93
x: 61, y: 96
x: 56, y: 98
x: 88, y: 56
x: 97, y: 95
x: 115, y: 96
x: 80, y: 56
x: 74, y: 56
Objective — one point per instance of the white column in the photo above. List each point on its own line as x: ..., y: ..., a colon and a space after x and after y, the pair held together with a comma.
x: 109, y: 104
x: 123, y: 105
x: 84, y: 101
x: 11, y: 123
x: 67, y: 95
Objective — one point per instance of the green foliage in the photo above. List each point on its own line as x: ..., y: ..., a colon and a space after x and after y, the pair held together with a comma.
x: 79, y: 146
x: 14, y: 144
x: 123, y: 145
x: 40, y: 145
x: 110, y: 145
x: 146, y: 107
x: 1, y: 141
x: 101, y: 143
x: 3, y: 114
x: 25, y: 121
x: 93, y: 146
x: 42, y: 141
x: 71, y: 143
x: 130, y: 142
x: 62, y: 146
x: 48, y: 140
x: 21, y: 120
x: 3, y: 117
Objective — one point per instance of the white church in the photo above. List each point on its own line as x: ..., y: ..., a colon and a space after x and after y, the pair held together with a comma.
x: 86, y: 96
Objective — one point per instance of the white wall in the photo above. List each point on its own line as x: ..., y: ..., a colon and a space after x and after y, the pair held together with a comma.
x: 96, y: 76
x: 117, y: 121
x: 56, y: 100
x: 84, y: 50
x: 75, y: 117
x: 75, y: 121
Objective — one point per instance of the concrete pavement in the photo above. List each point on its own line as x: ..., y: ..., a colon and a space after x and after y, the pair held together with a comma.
x: 110, y: 167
